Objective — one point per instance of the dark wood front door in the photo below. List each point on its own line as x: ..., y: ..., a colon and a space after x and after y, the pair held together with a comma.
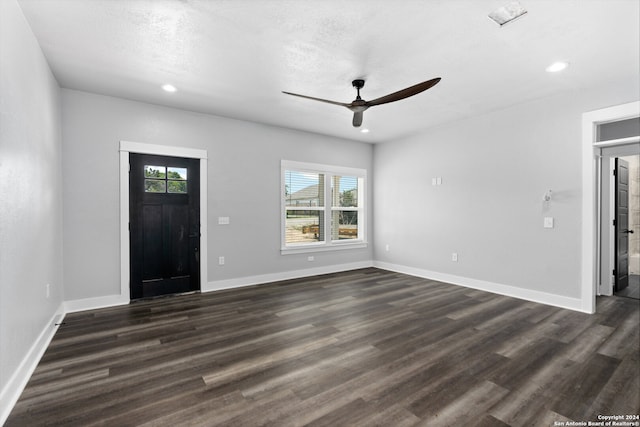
x: 622, y: 224
x: 164, y: 221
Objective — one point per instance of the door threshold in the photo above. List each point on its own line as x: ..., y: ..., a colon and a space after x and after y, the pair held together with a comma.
x: 180, y: 294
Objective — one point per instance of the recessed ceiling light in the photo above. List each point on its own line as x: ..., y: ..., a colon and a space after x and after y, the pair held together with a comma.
x: 365, y: 130
x: 169, y: 88
x: 508, y: 13
x: 556, y: 66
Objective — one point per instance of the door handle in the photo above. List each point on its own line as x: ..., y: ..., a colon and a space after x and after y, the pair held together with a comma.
x: 628, y: 231
x: 198, y: 234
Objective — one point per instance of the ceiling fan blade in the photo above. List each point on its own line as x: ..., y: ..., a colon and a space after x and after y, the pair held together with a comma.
x: 357, y: 119
x: 404, y: 93
x: 342, y: 104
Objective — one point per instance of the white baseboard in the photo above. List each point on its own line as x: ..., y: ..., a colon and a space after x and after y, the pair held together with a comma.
x: 239, y: 282
x: 483, y: 285
x: 496, y: 288
x: 18, y: 381
x: 94, y: 303
x: 114, y: 300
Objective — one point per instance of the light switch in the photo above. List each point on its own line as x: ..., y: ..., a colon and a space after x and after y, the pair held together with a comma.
x: 223, y: 220
x: 434, y: 181
x: 439, y: 180
x: 548, y: 222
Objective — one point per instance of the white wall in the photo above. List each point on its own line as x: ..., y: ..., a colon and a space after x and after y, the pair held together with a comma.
x: 243, y: 184
x: 495, y: 169
x: 30, y: 202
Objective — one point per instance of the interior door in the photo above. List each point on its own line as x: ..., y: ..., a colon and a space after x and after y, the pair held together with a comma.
x: 164, y: 224
x: 622, y: 224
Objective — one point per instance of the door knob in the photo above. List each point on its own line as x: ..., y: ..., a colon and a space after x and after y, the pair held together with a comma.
x: 628, y: 231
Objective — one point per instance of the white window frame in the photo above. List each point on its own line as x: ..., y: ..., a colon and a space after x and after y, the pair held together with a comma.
x: 328, y: 171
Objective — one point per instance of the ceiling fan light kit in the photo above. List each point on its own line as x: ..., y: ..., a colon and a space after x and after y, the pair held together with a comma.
x: 358, y: 106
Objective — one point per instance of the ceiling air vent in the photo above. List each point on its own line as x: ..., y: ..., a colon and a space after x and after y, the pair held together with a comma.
x: 508, y: 13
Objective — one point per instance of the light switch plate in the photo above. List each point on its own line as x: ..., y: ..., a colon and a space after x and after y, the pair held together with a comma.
x: 548, y: 222
x: 223, y: 220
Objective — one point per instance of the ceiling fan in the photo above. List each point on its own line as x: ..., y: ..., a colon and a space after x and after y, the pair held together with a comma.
x: 359, y: 105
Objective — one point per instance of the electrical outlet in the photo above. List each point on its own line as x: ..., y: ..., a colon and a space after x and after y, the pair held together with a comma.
x: 220, y: 260
x: 454, y: 257
x: 310, y: 258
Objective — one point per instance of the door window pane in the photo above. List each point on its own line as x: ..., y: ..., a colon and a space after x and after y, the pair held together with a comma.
x: 155, y: 186
x: 179, y: 187
x: 163, y: 179
x: 155, y: 171
x: 177, y: 173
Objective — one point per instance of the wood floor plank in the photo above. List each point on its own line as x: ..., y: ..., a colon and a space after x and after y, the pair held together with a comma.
x: 366, y: 347
x: 625, y: 381
x: 578, y: 394
x: 525, y: 404
x: 466, y: 407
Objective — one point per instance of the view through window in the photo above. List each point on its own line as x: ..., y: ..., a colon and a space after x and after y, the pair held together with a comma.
x: 322, y: 206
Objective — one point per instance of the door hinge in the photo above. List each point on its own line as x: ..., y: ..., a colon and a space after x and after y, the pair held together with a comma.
x: 614, y: 272
x: 614, y: 222
x: 615, y: 172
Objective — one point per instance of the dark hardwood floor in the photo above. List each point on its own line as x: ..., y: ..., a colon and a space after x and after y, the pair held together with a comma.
x: 361, y: 348
x: 633, y: 290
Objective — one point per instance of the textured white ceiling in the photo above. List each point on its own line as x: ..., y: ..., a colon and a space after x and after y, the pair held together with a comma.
x: 233, y: 58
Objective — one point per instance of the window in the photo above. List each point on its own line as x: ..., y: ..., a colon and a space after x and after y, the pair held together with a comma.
x: 322, y: 207
x: 162, y: 179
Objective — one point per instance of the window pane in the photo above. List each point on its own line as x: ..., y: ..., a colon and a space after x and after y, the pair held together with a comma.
x: 177, y: 173
x: 155, y: 171
x: 304, y: 226
x: 344, y: 191
x: 303, y: 189
x: 177, y: 187
x: 344, y: 225
x: 155, y: 186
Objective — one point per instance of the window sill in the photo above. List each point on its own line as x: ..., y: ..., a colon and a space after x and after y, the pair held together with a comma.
x: 322, y: 248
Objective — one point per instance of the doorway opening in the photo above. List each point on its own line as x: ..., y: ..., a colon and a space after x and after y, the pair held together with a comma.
x: 620, y: 221
x: 628, y: 234
x: 596, y: 136
x: 171, y: 183
x: 164, y: 224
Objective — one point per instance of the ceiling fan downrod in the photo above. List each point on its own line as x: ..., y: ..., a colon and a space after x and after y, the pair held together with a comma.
x: 358, y: 84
